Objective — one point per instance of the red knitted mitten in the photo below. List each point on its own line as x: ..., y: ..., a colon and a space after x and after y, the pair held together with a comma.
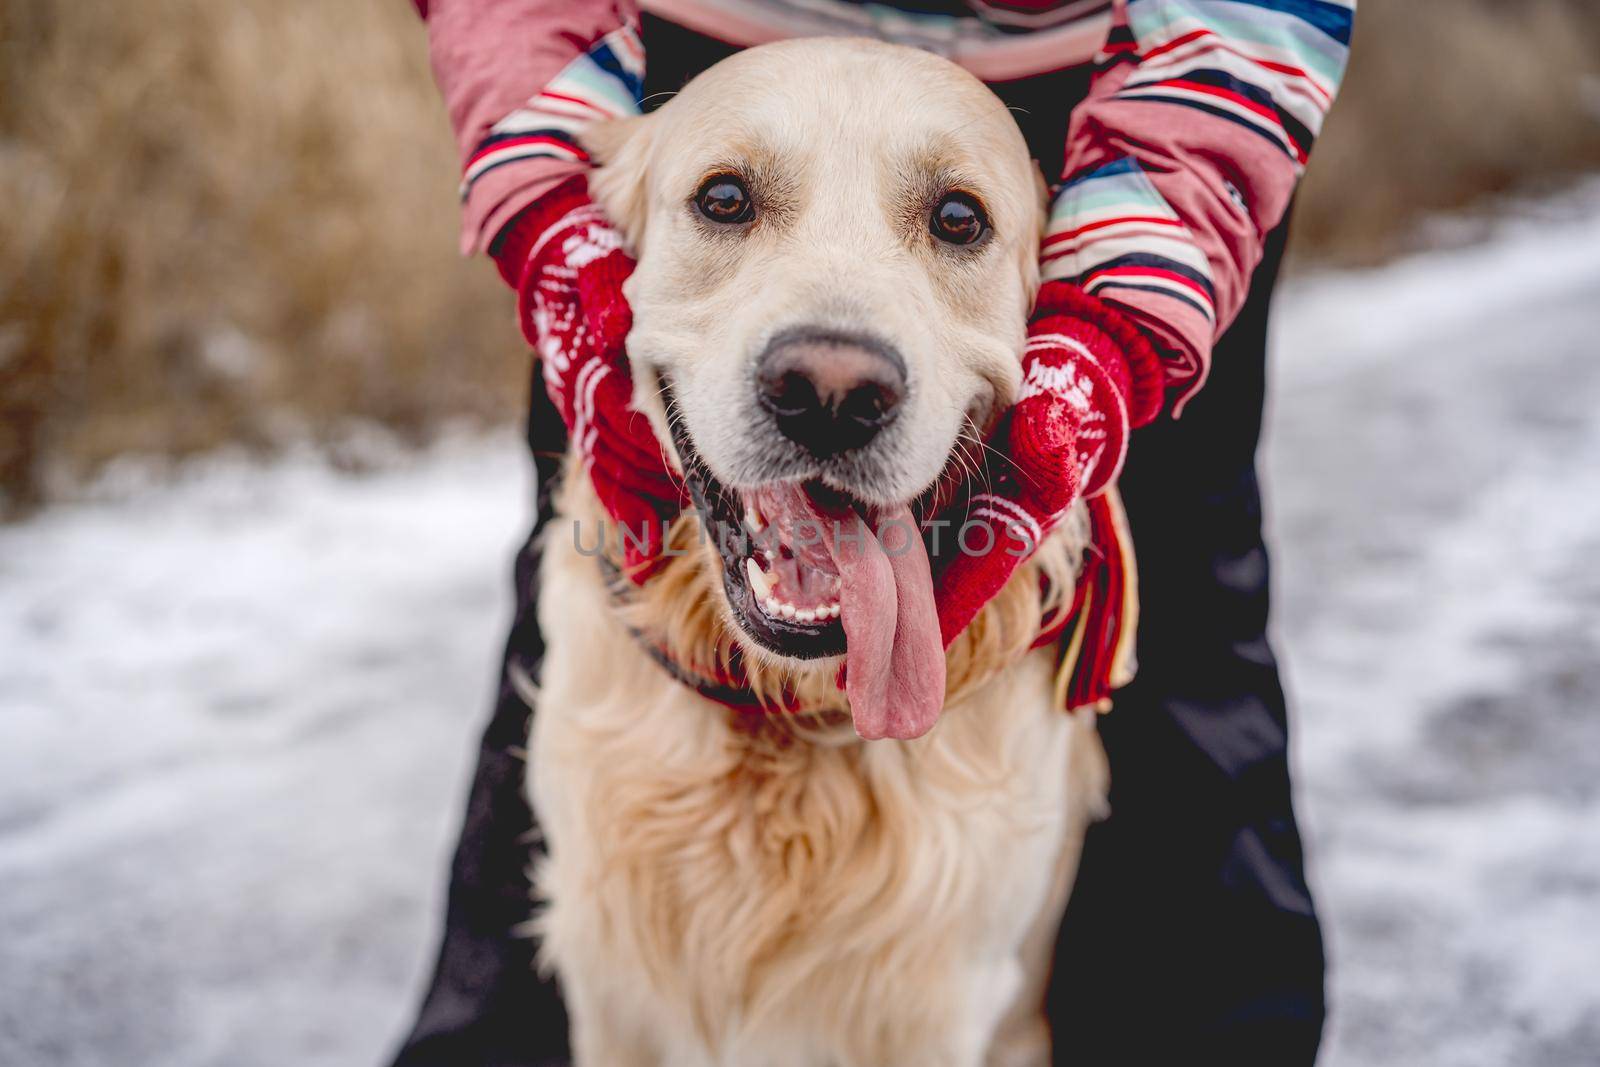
x: 1088, y: 376
x: 568, y: 265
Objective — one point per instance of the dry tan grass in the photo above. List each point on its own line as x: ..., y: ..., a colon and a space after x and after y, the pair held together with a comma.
x: 234, y: 221
x: 237, y: 223
x: 1448, y: 101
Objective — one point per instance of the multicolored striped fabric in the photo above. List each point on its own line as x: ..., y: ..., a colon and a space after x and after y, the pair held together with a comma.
x: 1186, y: 154
x: 605, y: 82
x: 1271, y: 67
x: 1183, y: 156
x: 997, y: 40
x: 1111, y: 229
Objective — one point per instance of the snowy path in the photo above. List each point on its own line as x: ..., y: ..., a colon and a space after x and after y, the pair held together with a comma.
x: 1434, y: 462
x: 235, y: 720
x: 236, y: 714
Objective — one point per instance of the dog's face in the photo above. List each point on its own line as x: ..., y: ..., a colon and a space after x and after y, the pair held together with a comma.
x: 837, y: 244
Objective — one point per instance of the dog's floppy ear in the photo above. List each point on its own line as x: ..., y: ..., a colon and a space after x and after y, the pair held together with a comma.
x: 621, y: 148
x: 1030, y: 249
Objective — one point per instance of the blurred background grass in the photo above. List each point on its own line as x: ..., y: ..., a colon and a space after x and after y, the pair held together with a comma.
x: 234, y: 223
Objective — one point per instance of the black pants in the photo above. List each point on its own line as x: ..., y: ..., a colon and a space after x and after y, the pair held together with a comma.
x: 1190, y: 935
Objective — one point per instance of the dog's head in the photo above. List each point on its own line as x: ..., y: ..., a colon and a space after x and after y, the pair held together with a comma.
x: 837, y: 245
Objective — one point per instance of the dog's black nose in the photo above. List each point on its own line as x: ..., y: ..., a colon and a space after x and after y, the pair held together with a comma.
x: 830, y: 392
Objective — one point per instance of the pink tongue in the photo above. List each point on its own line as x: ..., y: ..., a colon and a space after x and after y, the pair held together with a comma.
x: 894, y: 657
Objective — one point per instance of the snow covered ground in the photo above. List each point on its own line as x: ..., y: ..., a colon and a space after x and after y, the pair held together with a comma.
x: 237, y: 712
x: 1434, y: 469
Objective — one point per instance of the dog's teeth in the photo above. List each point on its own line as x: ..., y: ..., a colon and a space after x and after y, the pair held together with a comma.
x: 762, y: 582
x: 759, y: 581
x: 752, y: 519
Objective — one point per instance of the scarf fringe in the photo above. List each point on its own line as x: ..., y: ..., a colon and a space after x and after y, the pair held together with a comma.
x: 1097, y: 653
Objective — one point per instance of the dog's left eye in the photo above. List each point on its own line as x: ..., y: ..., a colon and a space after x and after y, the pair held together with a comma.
x: 957, y: 219
x: 723, y: 198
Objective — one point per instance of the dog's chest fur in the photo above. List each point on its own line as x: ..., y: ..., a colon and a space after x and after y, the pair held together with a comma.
x: 720, y: 895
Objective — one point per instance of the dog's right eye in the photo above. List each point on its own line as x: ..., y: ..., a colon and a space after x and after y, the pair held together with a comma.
x: 723, y: 198
x: 958, y: 220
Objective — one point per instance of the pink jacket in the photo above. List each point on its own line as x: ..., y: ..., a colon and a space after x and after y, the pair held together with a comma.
x: 1181, y: 159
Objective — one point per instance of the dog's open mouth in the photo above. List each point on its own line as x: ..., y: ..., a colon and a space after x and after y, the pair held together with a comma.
x: 781, y: 547
x: 787, y: 586
x: 810, y: 572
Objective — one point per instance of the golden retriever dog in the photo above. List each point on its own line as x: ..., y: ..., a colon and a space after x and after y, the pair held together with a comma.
x: 837, y: 244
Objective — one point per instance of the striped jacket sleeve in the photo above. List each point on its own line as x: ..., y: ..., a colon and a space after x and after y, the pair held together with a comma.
x: 520, y: 78
x: 1185, y: 156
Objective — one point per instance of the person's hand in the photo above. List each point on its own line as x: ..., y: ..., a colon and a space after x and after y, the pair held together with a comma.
x: 1088, y: 376
x: 1087, y: 358
x: 568, y: 265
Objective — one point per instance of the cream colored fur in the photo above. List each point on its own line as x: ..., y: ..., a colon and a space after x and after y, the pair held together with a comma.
x: 846, y: 144
x: 776, y: 892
